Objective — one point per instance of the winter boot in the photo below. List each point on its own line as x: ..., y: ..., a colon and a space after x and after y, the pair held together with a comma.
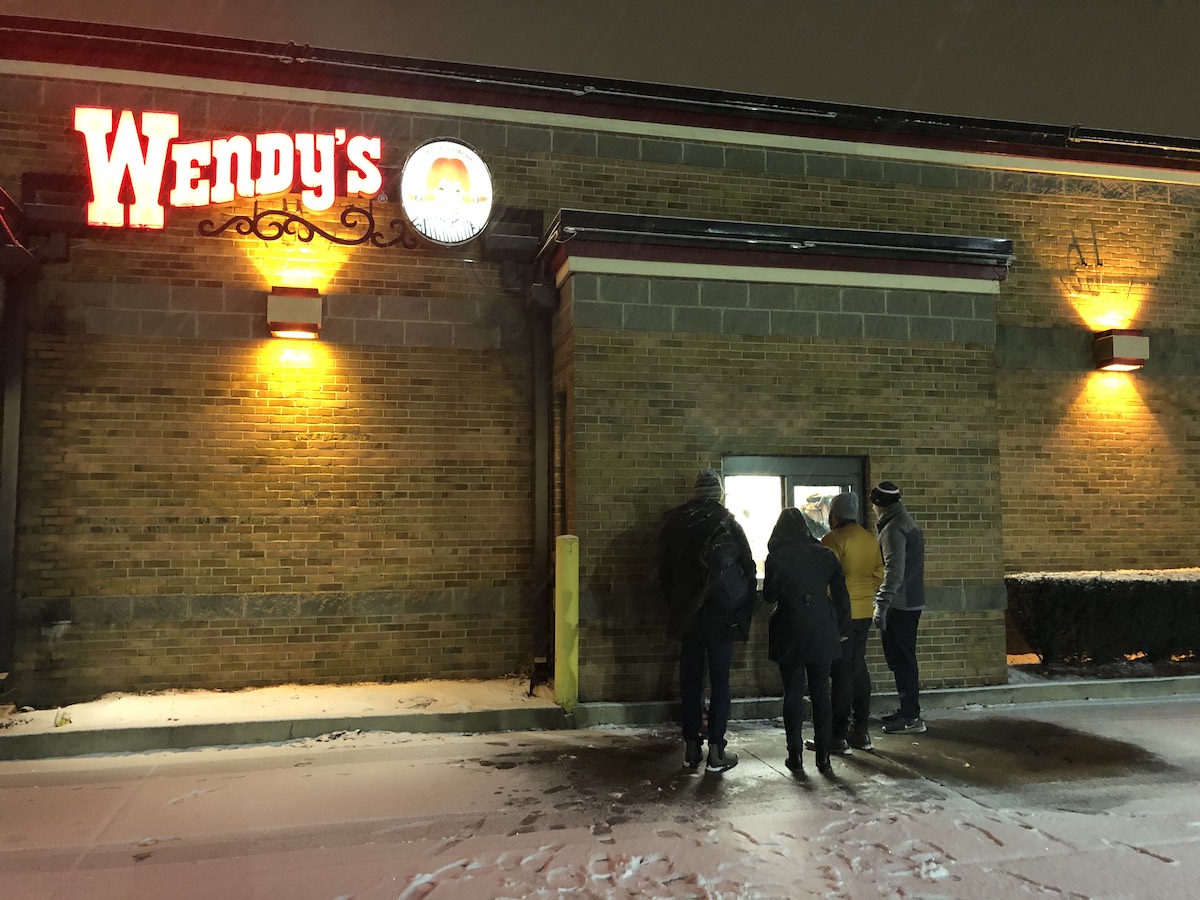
x: 720, y: 759
x: 691, y: 754
x: 824, y: 766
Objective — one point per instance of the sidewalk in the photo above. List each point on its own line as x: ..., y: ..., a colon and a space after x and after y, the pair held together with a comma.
x: 131, y: 723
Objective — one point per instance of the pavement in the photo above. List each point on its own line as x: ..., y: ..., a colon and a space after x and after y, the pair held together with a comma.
x: 133, y: 723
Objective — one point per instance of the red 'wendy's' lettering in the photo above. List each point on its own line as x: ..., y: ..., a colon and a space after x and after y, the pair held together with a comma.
x: 216, y: 171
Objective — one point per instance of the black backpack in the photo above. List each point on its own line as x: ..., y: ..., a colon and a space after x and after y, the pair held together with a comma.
x: 726, y: 583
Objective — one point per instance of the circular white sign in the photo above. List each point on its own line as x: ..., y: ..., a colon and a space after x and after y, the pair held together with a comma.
x: 446, y: 192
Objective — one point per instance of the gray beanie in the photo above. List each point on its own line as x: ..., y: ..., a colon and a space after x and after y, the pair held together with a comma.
x: 708, y: 485
x: 844, y: 506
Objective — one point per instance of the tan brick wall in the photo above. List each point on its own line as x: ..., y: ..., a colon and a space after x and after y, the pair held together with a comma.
x: 163, y: 463
x: 705, y: 396
x: 230, y: 654
x: 1099, y: 470
x: 199, y: 467
x: 155, y: 470
x: 629, y: 659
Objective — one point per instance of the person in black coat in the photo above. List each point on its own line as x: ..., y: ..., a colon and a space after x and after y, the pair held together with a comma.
x: 805, y: 584
x: 705, y: 633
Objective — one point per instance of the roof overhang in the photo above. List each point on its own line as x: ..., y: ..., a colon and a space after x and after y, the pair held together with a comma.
x: 69, y: 49
x: 580, y: 241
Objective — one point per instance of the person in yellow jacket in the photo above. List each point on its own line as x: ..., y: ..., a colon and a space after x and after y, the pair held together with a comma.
x: 850, y: 682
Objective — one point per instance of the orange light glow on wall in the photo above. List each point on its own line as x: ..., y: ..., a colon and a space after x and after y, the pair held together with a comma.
x: 1108, y: 306
x: 299, y: 371
x: 292, y: 262
x: 322, y: 166
x: 1106, y: 400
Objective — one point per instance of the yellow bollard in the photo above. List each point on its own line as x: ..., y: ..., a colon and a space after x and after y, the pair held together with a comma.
x: 566, y: 621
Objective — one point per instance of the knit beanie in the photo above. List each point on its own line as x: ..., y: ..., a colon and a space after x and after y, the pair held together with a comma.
x: 844, y: 506
x: 708, y: 485
x: 885, y: 493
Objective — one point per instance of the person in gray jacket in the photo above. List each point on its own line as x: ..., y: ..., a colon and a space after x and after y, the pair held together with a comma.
x: 899, y: 602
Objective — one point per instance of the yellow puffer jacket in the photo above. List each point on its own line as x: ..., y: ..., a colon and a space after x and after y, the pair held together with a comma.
x: 858, y: 552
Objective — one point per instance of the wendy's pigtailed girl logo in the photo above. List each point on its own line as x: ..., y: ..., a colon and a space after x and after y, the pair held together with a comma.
x: 446, y: 192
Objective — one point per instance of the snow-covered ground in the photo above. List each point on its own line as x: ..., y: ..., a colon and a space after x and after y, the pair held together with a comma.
x: 284, y: 702
x: 1065, y: 800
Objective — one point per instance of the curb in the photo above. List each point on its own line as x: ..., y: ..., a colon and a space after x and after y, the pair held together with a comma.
x: 66, y: 743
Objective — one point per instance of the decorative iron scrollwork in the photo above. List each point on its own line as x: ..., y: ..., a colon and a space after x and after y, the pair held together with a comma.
x: 274, y: 224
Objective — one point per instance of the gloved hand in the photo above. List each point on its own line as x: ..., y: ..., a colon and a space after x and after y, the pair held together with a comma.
x: 879, y: 617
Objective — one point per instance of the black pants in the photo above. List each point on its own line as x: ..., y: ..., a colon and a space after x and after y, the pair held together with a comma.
x: 698, y: 650
x: 850, y: 682
x: 900, y: 651
x: 794, y: 676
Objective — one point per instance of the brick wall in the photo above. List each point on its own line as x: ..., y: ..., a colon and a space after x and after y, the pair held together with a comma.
x: 146, y: 348
x: 1097, y: 469
x: 921, y: 410
x: 370, y: 504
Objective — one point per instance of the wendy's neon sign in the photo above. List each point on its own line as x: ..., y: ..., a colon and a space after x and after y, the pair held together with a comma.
x: 322, y: 166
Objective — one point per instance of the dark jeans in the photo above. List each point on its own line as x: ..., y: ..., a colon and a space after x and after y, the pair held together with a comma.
x: 850, y: 682
x: 794, y: 676
x: 696, y: 650
x: 900, y: 651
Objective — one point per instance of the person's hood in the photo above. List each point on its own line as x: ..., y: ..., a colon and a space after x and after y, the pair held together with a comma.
x: 790, y: 528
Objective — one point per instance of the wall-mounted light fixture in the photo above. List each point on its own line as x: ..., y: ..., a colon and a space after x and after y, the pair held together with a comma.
x: 294, y: 312
x: 1120, y: 350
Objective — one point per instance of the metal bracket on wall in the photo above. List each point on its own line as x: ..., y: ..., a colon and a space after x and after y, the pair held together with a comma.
x: 512, y: 239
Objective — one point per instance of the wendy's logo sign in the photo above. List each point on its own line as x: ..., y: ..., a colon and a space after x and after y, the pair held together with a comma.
x: 446, y: 192
x: 146, y: 156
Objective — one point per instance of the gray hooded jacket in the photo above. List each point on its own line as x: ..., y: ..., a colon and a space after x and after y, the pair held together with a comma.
x: 903, y: 546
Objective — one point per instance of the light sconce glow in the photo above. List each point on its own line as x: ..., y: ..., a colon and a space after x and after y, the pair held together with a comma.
x: 1120, y: 350
x: 294, y: 313
x: 1103, y: 306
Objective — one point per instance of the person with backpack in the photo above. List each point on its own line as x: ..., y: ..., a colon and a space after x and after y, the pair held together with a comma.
x: 806, y: 586
x: 710, y: 584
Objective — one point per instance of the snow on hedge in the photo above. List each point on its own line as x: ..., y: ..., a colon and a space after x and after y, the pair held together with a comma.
x: 1152, y: 575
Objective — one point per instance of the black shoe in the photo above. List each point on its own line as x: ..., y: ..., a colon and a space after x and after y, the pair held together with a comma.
x: 860, y: 740
x: 691, y: 754
x: 720, y: 760
x: 824, y: 766
x: 836, y: 747
x: 891, y: 717
x: 905, y: 725
x: 793, y: 762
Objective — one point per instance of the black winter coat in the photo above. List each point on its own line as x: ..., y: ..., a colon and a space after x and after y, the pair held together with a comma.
x: 683, y: 577
x: 806, y: 584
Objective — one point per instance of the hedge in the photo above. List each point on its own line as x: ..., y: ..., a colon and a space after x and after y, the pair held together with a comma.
x: 1105, y: 616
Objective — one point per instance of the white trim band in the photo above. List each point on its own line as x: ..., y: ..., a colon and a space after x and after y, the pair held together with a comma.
x: 926, y: 155
x: 601, y: 265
